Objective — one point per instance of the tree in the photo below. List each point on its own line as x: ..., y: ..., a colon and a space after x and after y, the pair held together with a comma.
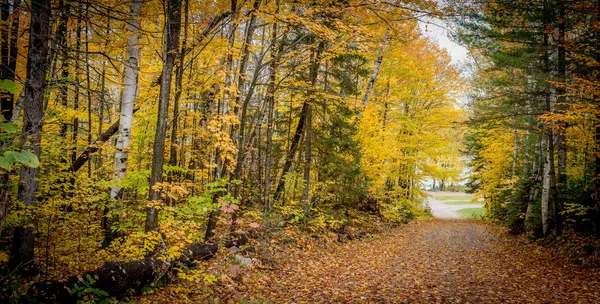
x: 22, y: 253
x: 130, y: 88
x: 8, y: 56
x: 171, y: 45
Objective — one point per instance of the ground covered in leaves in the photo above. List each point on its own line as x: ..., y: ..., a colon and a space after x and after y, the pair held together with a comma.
x: 434, y: 261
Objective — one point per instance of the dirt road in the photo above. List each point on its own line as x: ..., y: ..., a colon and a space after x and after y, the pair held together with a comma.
x: 436, y: 261
x: 441, y: 208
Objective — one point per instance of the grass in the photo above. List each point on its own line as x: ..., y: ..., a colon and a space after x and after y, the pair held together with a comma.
x: 471, y: 212
x: 453, y: 197
x: 459, y: 203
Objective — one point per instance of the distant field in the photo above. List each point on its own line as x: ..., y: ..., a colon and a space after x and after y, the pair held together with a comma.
x: 459, y: 203
x: 454, y: 197
x: 471, y: 212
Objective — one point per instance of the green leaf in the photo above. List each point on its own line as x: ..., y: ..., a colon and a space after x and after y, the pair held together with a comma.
x: 28, y: 159
x: 9, y: 86
x: 90, y: 279
x: 9, y: 127
x: 5, y: 163
x: 25, y: 157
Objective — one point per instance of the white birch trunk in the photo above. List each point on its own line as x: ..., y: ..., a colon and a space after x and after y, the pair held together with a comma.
x: 129, y: 95
x: 546, y: 184
x: 375, y: 72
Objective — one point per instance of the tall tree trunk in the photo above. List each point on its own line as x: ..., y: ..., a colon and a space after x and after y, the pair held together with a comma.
x: 178, y: 89
x: 546, y: 204
x: 8, y: 64
x: 596, y: 100
x: 222, y: 111
x: 549, y: 177
x: 375, y: 71
x: 300, y: 128
x: 270, y: 108
x: 171, y: 44
x: 597, y: 172
x: 22, y: 251
x: 307, y: 159
x: 76, y: 96
x: 126, y: 118
x: 63, y: 44
x: 292, y: 152
x: 561, y: 144
x: 314, y: 70
x: 241, y: 84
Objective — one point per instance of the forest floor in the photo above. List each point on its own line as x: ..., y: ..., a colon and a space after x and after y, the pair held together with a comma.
x: 429, y: 261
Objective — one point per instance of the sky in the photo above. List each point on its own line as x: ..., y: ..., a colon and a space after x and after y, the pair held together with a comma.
x: 437, y: 31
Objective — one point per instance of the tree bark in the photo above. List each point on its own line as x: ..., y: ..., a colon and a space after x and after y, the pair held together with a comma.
x: 178, y: 90
x: 314, y: 71
x: 130, y: 89
x: 375, y: 71
x: 118, y: 279
x: 95, y: 146
x: 8, y: 64
x: 292, y: 152
x: 549, y: 178
x: 62, y: 43
x: 270, y: 109
x: 241, y: 84
x: 171, y: 44
x: 547, y: 202
x: 22, y: 252
x: 596, y: 100
x: 561, y: 145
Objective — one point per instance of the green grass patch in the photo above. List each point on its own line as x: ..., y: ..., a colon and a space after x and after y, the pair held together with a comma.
x: 453, y: 197
x: 459, y: 203
x: 471, y: 212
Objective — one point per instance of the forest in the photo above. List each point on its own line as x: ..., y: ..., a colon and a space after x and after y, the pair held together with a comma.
x: 216, y: 151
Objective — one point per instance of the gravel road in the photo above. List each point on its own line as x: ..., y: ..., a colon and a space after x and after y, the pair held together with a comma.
x: 441, y: 210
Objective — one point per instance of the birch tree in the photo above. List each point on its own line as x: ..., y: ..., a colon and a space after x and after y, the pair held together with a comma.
x: 126, y: 117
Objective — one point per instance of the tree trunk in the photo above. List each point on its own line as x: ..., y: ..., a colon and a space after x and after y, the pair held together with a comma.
x: 561, y: 101
x: 515, y: 150
x: 223, y: 110
x: 307, y: 159
x: 171, y: 44
x: 8, y: 65
x: 300, y: 128
x: 546, y: 186
x: 270, y: 108
x: 549, y: 177
x: 292, y: 151
x: 178, y: 90
x: 95, y: 146
x: 375, y: 71
x: 126, y: 118
x: 597, y: 173
x: 22, y: 252
x: 118, y: 279
x: 596, y: 101
x: 241, y: 84
x: 61, y: 37
x: 314, y: 71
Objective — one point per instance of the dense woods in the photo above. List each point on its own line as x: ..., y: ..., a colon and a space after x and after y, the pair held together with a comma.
x: 140, y: 136
x: 534, y: 122
x: 142, y: 127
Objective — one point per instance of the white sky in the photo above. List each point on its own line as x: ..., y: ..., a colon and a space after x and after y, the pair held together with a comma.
x: 437, y: 31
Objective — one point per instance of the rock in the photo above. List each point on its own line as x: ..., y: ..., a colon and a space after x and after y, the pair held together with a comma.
x: 234, y: 249
x: 243, y: 261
